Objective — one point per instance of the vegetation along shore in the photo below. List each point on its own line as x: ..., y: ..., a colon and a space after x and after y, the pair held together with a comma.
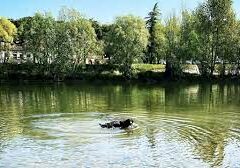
x: 203, y: 44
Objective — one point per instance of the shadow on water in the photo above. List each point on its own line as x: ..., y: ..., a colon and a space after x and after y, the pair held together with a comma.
x: 201, y: 122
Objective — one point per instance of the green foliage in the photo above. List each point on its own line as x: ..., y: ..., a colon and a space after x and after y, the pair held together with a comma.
x: 100, y: 68
x: 216, y: 29
x: 189, y: 41
x: 39, y: 37
x: 153, y: 20
x: 173, y: 59
x: 7, y: 33
x: 209, y: 36
x: 79, y: 36
x: 98, y: 29
x: 126, y: 41
x: 160, y: 42
x: 64, y: 44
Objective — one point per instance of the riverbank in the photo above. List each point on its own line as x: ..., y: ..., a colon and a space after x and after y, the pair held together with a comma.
x: 146, y: 77
x: 108, y: 73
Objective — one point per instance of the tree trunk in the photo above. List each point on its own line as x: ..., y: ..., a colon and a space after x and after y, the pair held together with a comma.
x: 223, y: 69
x: 212, y: 61
x: 238, y: 62
x: 238, y: 67
x: 203, y: 69
x: 214, y: 54
x: 4, y: 57
x: 169, y: 70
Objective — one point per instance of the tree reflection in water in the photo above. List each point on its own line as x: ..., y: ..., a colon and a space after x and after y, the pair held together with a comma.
x: 204, y: 116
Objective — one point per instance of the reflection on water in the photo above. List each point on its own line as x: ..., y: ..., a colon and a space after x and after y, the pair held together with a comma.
x: 176, y: 125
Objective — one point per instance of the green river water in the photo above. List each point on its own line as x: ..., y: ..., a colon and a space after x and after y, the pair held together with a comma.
x: 175, y: 125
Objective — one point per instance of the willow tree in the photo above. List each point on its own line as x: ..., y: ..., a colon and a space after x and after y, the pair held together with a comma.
x: 79, y: 36
x: 127, y: 40
x: 152, y: 21
x: 7, y: 33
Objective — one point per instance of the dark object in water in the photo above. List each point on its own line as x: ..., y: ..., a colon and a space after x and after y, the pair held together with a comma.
x: 118, y: 124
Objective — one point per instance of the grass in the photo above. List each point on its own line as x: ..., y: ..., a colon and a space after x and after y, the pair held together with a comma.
x: 148, y: 67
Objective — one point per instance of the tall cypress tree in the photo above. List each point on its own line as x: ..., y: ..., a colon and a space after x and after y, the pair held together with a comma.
x: 152, y: 19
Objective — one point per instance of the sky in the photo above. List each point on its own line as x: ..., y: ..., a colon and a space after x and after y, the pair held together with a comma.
x: 101, y: 10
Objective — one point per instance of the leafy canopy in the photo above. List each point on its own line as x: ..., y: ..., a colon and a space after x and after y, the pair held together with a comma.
x: 7, y: 33
x: 127, y: 40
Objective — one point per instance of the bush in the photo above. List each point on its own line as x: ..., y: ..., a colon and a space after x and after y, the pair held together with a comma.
x: 99, y: 68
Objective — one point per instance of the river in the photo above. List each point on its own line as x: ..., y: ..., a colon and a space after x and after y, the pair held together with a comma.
x: 175, y: 125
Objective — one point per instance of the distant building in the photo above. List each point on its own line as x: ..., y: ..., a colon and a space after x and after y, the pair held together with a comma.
x: 15, y: 55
